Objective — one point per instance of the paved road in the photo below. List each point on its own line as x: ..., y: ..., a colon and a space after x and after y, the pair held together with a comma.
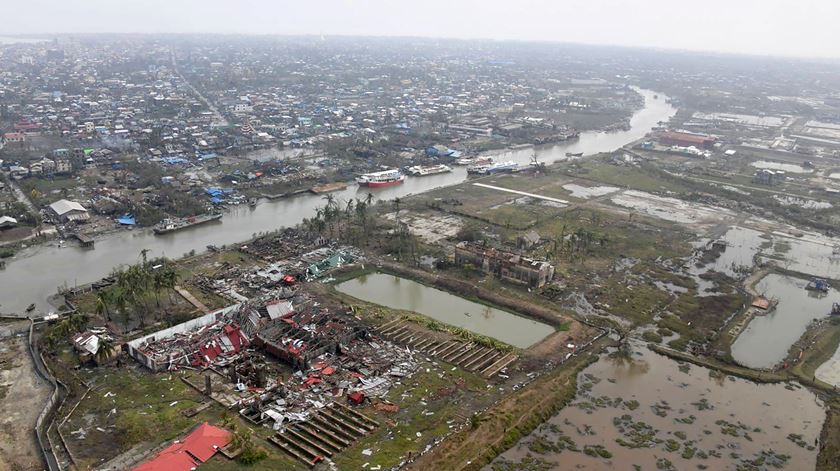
x: 21, y: 197
x: 219, y: 119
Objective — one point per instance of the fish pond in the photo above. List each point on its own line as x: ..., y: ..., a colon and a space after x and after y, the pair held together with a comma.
x: 400, y: 293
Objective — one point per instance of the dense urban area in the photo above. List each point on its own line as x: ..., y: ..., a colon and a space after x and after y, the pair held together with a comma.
x: 235, y: 252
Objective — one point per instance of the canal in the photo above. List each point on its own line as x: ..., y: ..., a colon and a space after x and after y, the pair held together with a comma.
x: 37, y: 272
x: 400, y: 293
x: 767, y: 338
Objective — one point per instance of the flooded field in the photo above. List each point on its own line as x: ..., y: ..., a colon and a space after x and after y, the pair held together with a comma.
x: 792, y: 168
x: 669, y: 209
x: 400, y: 293
x: 742, y: 246
x: 812, y: 254
x: 650, y: 412
x: 767, y: 338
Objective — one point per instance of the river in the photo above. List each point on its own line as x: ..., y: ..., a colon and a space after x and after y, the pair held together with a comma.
x: 37, y: 272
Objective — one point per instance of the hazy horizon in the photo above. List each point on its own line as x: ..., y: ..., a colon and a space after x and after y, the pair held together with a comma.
x: 765, y: 28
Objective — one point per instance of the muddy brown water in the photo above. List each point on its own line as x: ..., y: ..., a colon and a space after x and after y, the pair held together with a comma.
x: 767, y: 339
x: 742, y: 246
x: 668, y: 408
x: 37, y: 272
x: 400, y: 293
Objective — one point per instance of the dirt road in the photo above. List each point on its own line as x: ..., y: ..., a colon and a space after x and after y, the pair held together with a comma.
x: 22, y: 397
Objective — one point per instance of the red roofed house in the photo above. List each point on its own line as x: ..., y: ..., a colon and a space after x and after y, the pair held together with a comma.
x: 198, y: 447
x: 684, y: 139
x: 14, y: 137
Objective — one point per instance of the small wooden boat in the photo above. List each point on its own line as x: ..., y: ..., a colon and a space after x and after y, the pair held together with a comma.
x: 30, y: 308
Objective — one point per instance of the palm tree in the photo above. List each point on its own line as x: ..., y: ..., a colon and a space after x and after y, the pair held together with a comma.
x: 105, y: 351
x: 331, y: 202
x: 75, y: 322
x: 158, y: 281
x: 349, y: 207
x: 121, y: 301
x: 103, y: 299
x: 396, y: 204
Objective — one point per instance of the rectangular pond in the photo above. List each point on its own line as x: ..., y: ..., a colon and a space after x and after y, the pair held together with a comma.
x: 400, y: 293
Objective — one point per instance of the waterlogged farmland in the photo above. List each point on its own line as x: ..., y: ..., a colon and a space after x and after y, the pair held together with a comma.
x: 650, y: 412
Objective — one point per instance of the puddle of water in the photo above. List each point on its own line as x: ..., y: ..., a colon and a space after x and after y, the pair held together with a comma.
x: 669, y: 209
x: 792, y: 168
x: 400, y: 293
x: 766, y: 340
x: 655, y: 413
x: 670, y: 287
x: 586, y: 192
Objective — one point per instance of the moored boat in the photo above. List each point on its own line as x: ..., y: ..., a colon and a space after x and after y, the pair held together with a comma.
x: 476, y: 161
x: 420, y: 170
x: 329, y: 187
x: 380, y: 179
x: 498, y: 167
x: 171, y: 225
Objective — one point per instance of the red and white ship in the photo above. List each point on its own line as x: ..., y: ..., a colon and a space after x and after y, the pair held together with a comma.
x: 380, y: 179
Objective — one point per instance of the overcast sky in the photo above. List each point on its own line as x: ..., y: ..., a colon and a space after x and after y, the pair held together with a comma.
x: 768, y: 27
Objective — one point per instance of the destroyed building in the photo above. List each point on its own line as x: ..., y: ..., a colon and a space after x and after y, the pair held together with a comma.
x: 508, y: 266
x: 769, y: 177
x: 298, y: 337
x: 198, y: 342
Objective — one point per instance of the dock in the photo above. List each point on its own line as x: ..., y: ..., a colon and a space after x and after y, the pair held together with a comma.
x: 86, y: 241
x: 328, y: 188
x: 283, y: 195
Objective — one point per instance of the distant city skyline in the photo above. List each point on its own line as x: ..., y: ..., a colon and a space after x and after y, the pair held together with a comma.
x: 759, y: 27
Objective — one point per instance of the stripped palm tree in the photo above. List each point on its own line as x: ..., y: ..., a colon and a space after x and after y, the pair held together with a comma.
x: 103, y: 301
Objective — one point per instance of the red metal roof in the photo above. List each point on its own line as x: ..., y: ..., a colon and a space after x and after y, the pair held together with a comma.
x: 204, y: 441
x: 685, y: 137
x: 198, y: 447
x: 169, y: 460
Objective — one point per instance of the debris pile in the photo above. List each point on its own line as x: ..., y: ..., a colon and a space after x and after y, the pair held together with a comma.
x: 211, y: 339
x: 298, y: 337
